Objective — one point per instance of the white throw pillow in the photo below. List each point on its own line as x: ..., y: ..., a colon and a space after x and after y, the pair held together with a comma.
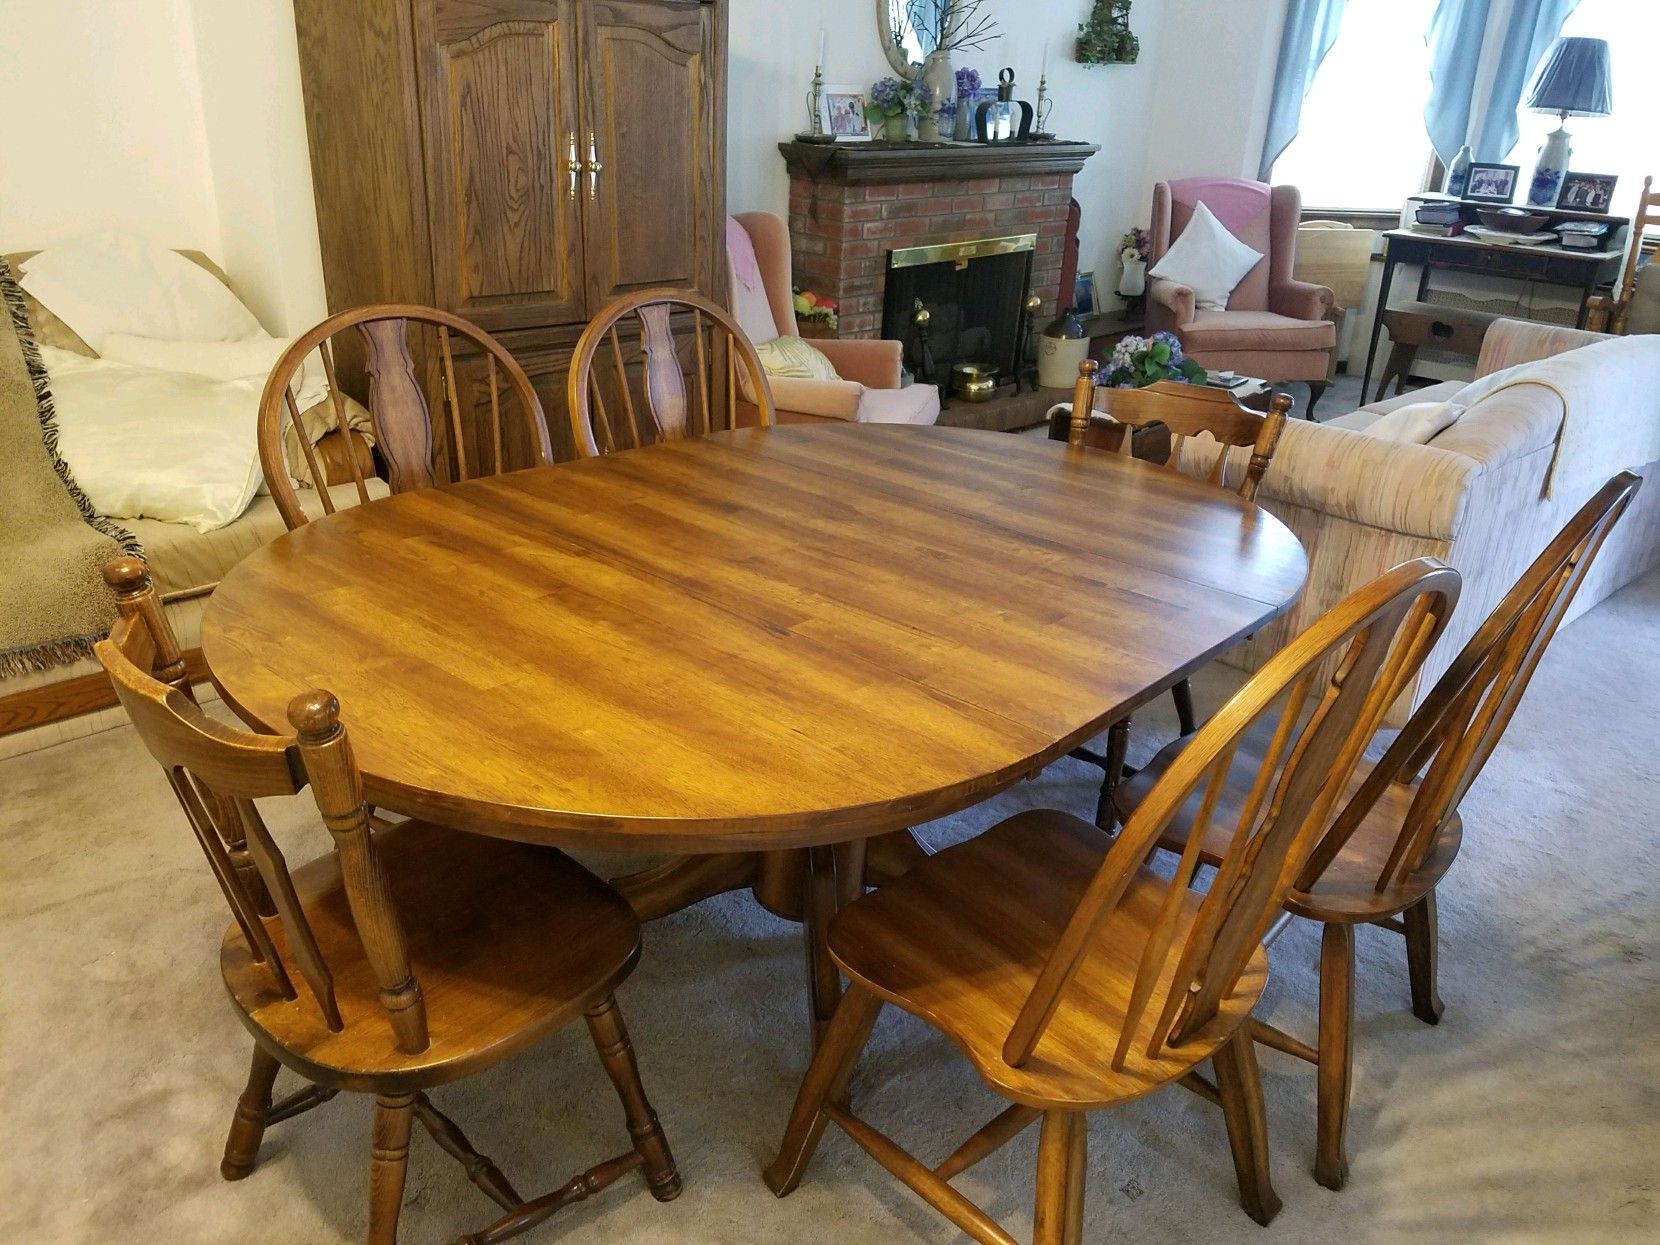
x: 792, y: 357
x: 1416, y: 423
x: 1207, y: 259
x: 233, y: 360
x: 145, y: 444
x: 114, y: 283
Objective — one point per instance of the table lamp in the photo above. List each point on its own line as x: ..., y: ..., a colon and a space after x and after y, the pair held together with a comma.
x: 1575, y: 82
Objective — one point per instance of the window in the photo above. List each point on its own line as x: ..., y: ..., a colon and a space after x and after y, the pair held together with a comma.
x: 1361, y: 142
x: 1624, y: 143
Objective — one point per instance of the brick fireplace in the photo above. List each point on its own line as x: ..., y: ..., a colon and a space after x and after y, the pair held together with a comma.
x: 852, y: 203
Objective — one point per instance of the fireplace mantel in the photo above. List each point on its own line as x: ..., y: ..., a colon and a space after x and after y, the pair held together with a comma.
x: 866, y: 163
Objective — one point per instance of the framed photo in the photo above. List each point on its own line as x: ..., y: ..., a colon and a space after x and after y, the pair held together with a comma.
x: 1493, y: 183
x: 1587, y: 192
x: 842, y: 113
x: 1083, y: 294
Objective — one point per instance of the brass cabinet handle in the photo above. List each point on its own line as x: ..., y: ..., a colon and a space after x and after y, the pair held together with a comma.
x: 573, y: 164
x: 595, y: 168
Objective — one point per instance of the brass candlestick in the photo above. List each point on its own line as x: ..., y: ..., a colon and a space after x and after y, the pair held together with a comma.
x: 1045, y: 106
x: 814, y: 133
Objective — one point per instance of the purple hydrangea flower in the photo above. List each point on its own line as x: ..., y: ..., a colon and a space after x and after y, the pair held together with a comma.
x: 968, y: 83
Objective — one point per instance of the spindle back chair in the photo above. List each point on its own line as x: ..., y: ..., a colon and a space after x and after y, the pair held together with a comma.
x: 406, y: 356
x: 1606, y: 313
x: 1187, y: 411
x: 1383, y: 855
x: 1146, y: 977
x: 516, y: 941
x: 677, y: 335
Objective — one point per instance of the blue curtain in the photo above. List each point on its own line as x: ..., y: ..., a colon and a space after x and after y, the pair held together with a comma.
x: 1310, y: 30
x: 1456, y: 33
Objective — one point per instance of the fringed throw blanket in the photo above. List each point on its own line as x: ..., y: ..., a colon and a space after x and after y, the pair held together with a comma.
x: 53, y: 544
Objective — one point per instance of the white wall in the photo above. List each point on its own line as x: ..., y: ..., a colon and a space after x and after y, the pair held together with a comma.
x: 182, y: 119
x: 101, y: 124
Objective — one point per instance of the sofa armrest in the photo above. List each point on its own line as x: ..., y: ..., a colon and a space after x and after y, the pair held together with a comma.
x: 1509, y: 342
x: 1178, y: 300
x: 833, y: 399
x: 1301, y: 300
x: 874, y: 364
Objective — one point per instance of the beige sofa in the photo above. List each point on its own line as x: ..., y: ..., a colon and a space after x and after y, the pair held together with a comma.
x: 1482, y: 496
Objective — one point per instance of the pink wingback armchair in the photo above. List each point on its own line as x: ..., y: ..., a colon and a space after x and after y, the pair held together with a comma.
x: 1274, y: 327
x: 763, y: 302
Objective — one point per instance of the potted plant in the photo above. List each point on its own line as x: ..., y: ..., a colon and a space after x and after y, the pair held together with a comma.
x: 895, y: 103
x: 1105, y: 39
x: 1141, y: 361
x: 1132, y: 254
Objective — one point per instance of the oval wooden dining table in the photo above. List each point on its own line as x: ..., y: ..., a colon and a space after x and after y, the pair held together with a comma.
x: 803, y: 637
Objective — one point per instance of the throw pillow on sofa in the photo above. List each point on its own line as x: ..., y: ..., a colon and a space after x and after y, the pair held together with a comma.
x: 792, y: 357
x: 1208, y: 260
x: 1416, y: 423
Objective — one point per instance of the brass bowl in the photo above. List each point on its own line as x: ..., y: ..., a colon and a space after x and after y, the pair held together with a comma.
x: 974, y: 382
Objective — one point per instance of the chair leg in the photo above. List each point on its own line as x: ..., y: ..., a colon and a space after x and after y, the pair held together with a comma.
x: 1422, y: 935
x: 1182, y: 694
x: 1337, y: 1009
x: 1316, y: 390
x: 1118, y: 748
x: 248, y: 1124
x: 616, y: 1052
x: 1063, y: 1163
x: 826, y: 1081
x: 388, y: 1163
x: 1235, y: 1064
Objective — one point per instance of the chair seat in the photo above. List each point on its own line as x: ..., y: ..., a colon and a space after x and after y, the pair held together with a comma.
x: 1255, y: 330
x: 962, y: 937
x: 507, y: 941
x: 914, y: 404
x: 1346, y: 892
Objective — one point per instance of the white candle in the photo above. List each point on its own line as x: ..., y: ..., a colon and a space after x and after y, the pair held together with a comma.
x: 1044, y: 72
x: 820, y: 62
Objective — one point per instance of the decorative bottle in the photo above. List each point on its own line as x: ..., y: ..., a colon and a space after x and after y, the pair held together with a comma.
x: 1458, y: 172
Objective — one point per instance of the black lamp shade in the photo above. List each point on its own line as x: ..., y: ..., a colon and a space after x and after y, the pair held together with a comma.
x: 1575, y: 80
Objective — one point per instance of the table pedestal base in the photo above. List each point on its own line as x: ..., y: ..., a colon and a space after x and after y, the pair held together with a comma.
x: 809, y: 885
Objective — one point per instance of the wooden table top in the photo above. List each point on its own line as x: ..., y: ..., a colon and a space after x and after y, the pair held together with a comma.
x: 765, y: 638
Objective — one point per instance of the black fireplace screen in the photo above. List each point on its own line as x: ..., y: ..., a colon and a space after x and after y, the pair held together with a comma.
x: 974, y: 293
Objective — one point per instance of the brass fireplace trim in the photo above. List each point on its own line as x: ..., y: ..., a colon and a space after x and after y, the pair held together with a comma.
x: 960, y: 253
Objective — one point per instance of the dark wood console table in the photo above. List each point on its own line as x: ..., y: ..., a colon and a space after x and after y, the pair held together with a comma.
x: 1552, y: 265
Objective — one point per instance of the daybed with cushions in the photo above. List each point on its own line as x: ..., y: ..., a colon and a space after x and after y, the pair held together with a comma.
x: 1554, y: 412
x: 42, y: 707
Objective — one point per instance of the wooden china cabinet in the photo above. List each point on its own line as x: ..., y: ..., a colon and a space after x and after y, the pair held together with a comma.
x: 517, y: 162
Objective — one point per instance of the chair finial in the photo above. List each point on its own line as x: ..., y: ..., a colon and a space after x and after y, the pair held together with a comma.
x: 127, y: 575
x: 315, y: 715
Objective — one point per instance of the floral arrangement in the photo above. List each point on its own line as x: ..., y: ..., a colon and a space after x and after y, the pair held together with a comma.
x: 968, y: 83
x: 1105, y: 39
x: 898, y: 97
x: 1140, y: 361
x: 1135, y: 246
x: 811, y: 308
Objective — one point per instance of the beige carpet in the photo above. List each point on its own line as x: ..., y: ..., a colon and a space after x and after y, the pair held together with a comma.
x: 1531, y: 1114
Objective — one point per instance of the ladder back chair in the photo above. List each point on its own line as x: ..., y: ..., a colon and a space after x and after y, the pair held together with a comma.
x: 1186, y: 411
x: 1385, y: 853
x: 410, y: 956
x: 1604, y: 314
x: 687, y: 369
x: 1073, y: 976
x: 404, y: 358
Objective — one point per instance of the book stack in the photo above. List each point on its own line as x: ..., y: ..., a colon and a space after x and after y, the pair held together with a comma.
x: 1584, y: 235
x: 1439, y: 219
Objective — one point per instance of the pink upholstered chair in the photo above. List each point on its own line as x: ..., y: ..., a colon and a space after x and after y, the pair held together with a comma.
x: 763, y: 302
x: 1274, y: 327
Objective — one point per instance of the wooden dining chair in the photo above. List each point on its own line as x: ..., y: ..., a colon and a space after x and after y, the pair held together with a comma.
x: 1606, y: 313
x: 1183, y: 411
x: 1074, y: 977
x: 1383, y: 856
x: 410, y: 956
x: 403, y: 358
x: 662, y: 364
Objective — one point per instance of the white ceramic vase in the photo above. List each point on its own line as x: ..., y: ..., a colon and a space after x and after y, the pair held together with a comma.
x: 940, y: 77
x: 1547, y: 174
x: 1133, y: 284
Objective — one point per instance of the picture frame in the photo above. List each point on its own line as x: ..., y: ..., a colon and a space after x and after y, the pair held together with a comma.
x: 1085, y: 297
x: 842, y: 114
x: 1587, y: 192
x: 1493, y: 183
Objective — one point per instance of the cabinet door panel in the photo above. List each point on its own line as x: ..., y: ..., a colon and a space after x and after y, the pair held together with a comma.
x: 499, y: 102
x: 652, y: 101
